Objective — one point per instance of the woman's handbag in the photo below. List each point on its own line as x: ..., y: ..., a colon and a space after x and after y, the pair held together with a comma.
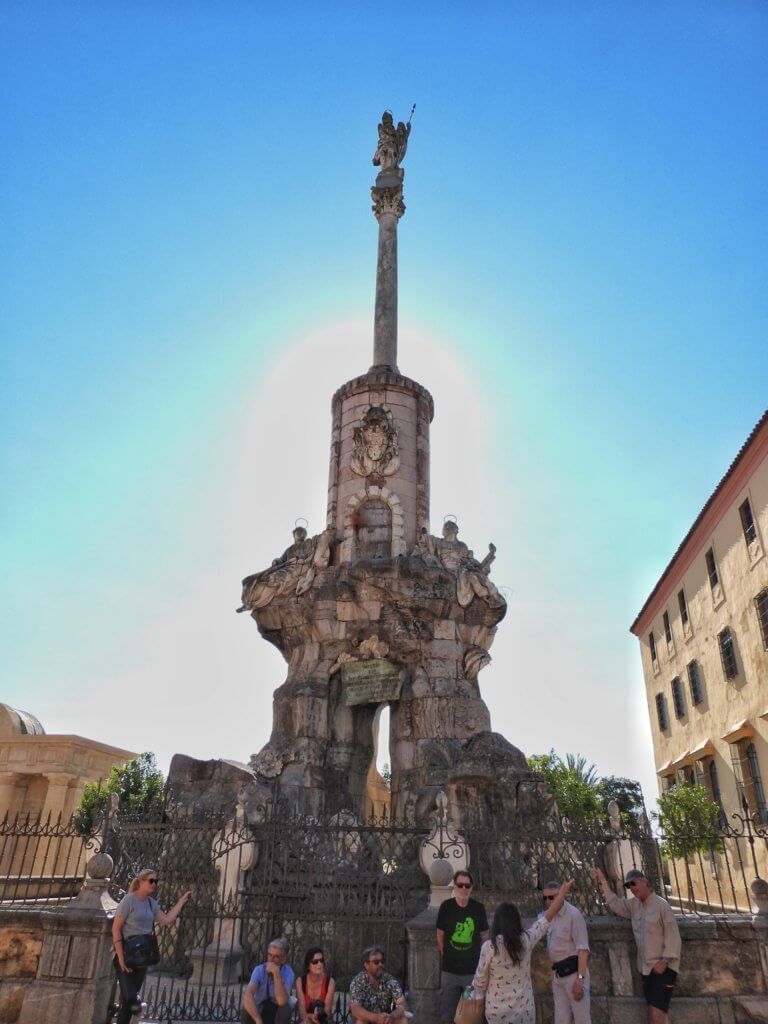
x: 141, y: 951
x: 470, y: 1009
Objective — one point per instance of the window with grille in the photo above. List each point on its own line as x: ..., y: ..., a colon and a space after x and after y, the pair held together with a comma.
x: 661, y: 711
x: 683, y: 607
x: 761, y: 604
x: 747, y: 522
x: 677, y: 697
x: 652, y: 645
x: 694, y: 683
x: 667, y: 628
x: 728, y: 654
x: 749, y: 782
x: 709, y: 558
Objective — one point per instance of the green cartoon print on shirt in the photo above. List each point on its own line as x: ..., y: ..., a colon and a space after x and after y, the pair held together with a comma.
x: 463, y: 934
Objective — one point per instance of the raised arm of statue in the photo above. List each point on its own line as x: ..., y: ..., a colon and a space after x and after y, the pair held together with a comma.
x: 485, y: 565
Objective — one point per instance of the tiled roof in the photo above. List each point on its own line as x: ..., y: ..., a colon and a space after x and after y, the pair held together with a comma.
x: 710, y: 501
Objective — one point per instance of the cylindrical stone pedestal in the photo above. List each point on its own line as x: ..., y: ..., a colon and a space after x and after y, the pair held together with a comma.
x: 395, y: 495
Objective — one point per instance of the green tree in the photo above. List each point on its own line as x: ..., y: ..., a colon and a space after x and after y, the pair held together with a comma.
x: 627, y: 794
x: 572, y: 784
x: 690, y: 824
x: 689, y: 821
x: 139, y: 784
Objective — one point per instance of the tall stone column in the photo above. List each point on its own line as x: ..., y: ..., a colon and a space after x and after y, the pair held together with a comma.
x: 388, y: 206
x: 56, y: 797
x: 8, y: 782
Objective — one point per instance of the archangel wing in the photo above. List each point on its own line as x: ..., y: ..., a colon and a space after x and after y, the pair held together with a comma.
x: 402, y: 133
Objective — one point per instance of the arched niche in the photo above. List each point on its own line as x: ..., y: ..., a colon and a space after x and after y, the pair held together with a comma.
x: 369, y: 531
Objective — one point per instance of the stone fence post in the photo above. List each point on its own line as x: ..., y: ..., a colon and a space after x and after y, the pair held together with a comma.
x: 70, y: 980
x: 442, y: 853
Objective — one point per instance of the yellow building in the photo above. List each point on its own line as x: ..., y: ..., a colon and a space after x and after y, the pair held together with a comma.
x: 42, y: 778
x: 703, y: 635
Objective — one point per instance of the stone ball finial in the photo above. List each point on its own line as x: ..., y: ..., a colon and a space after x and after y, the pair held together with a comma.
x: 440, y: 872
x: 99, y: 866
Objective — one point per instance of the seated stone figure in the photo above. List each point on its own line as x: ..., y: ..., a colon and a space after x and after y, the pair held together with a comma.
x: 293, y: 571
x: 454, y: 555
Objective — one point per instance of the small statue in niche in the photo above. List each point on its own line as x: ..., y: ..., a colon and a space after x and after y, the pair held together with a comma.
x: 391, y: 145
x: 294, y: 570
x: 375, y: 444
x: 454, y: 555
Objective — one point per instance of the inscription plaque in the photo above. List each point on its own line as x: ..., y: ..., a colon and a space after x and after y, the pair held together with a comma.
x: 371, y: 682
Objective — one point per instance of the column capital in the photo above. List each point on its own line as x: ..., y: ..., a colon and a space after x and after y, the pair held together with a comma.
x: 59, y: 778
x: 388, y: 199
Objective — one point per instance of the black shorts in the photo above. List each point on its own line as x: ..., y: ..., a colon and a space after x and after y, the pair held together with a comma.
x: 658, y: 988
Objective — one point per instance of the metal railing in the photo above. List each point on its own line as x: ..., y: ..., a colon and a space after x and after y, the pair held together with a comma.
x: 341, y: 883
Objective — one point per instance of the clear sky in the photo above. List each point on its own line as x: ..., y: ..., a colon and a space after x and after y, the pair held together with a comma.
x: 187, y: 274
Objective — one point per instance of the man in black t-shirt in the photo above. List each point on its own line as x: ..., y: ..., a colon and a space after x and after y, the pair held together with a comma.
x: 462, y: 928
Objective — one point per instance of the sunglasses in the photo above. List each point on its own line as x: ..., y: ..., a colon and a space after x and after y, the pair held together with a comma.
x: 547, y: 896
x: 318, y: 960
x: 463, y: 885
x: 376, y: 962
x: 152, y: 881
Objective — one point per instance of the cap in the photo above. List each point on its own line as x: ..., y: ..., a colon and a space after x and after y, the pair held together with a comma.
x: 631, y: 876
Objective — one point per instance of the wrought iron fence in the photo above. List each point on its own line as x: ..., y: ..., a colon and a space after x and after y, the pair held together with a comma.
x: 42, y: 858
x: 342, y: 884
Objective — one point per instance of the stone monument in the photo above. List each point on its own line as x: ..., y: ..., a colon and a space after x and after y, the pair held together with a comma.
x: 375, y: 610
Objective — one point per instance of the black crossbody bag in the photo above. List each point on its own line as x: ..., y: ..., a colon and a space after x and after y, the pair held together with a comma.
x: 565, y: 967
x: 141, y: 951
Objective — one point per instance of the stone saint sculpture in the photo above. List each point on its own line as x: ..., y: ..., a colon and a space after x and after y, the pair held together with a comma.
x: 392, y: 144
x: 471, y: 576
x: 293, y: 571
x: 375, y: 444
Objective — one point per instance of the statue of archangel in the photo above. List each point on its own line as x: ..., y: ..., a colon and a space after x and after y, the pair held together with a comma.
x: 392, y: 144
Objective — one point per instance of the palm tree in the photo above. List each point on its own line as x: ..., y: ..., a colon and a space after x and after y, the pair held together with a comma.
x: 578, y: 763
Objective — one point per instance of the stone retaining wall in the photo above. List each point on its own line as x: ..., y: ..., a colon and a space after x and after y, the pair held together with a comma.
x: 723, y: 976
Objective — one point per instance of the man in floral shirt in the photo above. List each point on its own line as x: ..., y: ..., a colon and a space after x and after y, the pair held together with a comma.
x: 375, y: 996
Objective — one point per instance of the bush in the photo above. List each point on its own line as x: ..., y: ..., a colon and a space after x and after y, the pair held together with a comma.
x: 139, y: 784
x: 690, y: 821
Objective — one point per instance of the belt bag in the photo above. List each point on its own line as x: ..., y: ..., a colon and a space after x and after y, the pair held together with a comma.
x: 565, y: 967
x: 141, y: 951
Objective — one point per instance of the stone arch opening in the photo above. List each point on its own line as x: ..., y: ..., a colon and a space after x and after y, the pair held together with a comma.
x: 373, y: 529
x: 378, y: 797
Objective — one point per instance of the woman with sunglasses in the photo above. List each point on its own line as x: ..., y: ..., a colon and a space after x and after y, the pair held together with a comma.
x: 503, y: 975
x: 315, y: 988
x: 137, y: 914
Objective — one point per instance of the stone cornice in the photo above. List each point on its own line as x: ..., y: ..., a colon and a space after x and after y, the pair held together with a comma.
x: 385, y: 378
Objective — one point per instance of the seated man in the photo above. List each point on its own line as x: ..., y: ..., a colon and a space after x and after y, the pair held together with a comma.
x: 375, y: 996
x: 266, y: 999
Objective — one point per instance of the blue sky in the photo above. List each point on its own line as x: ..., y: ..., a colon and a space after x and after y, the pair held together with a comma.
x: 188, y: 274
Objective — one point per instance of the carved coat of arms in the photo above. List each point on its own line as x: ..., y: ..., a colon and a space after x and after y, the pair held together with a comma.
x: 375, y: 444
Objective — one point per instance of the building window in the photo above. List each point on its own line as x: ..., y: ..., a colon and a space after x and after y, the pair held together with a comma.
x: 667, y: 628
x: 677, y: 697
x: 709, y: 558
x: 761, y: 604
x: 749, y: 782
x: 652, y: 645
x: 728, y: 653
x: 694, y: 683
x: 685, y: 775
x: 748, y: 522
x: 661, y: 711
x: 683, y: 608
